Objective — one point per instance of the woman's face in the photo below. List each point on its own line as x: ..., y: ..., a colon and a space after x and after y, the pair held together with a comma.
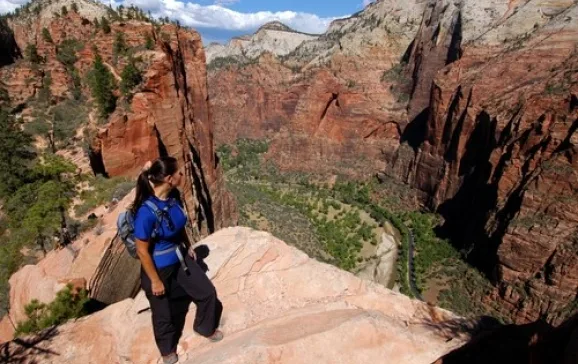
x: 176, y: 178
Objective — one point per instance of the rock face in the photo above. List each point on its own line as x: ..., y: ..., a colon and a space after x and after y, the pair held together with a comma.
x: 474, y: 104
x: 500, y: 166
x: 168, y: 114
x: 273, y: 37
x: 261, y: 283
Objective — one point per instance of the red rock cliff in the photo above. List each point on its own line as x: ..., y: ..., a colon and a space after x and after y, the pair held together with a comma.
x: 474, y: 105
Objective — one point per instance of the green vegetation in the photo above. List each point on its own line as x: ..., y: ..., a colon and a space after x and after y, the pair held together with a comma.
x: 15, y: 155
x: 119, y: 47
x: 102, y: 85
x: 131, y: 77
x: 67, y: 305
x: 102, y: 191
x: 325, y: 222
x: 67, y: 117
x: 74, y: 7
x: 66, y: 52
x: 44, y: 94
x: 64, y: 11
x: 31, y: 54
x: 229, y: 62
x: 46, y: 35
x: 149, y: 42
x: 335, y: 232
x: 105, y: 25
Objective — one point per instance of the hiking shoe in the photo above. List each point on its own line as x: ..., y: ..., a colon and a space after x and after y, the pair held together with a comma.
x: 170, y: 359
x: 217, y: 336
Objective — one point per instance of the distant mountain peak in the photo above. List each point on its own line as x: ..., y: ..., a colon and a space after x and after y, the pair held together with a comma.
x: 277, y: 25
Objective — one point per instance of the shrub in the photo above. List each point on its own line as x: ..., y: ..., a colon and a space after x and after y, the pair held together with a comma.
x: 32, y: 55
x: 67, y: 305
x: 131, y: 77
x: 66, y: 52
x: 74, y: 7
x: 119, y: 46
x: 64, y: 11
x: 149, y: 42
x: 46, y: 35
x: 105, y: 25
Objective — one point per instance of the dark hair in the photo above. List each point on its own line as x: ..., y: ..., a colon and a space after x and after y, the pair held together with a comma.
x: 159, y: 170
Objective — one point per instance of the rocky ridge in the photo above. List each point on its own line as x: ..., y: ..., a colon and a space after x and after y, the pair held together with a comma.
x: 471, y: 103
x: 273, y: 37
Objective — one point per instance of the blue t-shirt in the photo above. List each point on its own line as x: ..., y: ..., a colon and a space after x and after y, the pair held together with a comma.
x: 144, y: 225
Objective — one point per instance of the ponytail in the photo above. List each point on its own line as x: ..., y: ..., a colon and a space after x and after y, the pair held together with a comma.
x: 152, y: 174
x: 144, y: 190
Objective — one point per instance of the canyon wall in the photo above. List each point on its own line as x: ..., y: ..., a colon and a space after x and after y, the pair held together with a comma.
x: 472, y: 104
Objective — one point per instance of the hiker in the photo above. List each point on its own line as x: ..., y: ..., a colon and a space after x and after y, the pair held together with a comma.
x: 167, y: 268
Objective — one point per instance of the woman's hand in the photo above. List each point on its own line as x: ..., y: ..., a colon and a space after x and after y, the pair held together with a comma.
x: 158, y: 288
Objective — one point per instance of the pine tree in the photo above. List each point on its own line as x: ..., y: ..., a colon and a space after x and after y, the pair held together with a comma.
x: 102, y: 85
x: 96, y: 23
x: 15, y: 155
x: 64, y: 11
x: 74, y: 7
x: 119, y: 46
x: 131, y: 77
x: 104, y: 23
x: 149, y: 42
x: 46, y: 35
x: 32, y: 55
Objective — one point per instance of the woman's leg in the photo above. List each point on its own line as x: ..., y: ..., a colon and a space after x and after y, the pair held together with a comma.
x: 162, y: 319
x: 196, y: 283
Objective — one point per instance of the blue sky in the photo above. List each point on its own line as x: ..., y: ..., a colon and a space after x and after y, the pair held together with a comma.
x: 219, y: 20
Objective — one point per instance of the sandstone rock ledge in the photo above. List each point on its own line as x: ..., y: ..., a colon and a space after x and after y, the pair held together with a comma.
x: 280, y: 307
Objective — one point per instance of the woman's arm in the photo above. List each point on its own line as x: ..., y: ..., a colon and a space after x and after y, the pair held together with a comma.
x: 142, y: 249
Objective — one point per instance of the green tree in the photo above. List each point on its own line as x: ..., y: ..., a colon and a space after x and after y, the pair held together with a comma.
x: 15, y: 155
x: 74, y: 7
x: 131, y: 77
x: 105, y: 25
x: 46, y: 35
x: 44, y: 94
x: 32, y: 55
x: 102, y: 85
x: 149, y: 42
x: 67, y: 305
x: 96, y: 23
x: 46, y: 217
x: 119, y: 46
x: 66, y: 52
x: 64, y: 11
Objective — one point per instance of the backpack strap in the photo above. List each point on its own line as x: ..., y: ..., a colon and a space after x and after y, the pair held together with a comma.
x: 159, y: 215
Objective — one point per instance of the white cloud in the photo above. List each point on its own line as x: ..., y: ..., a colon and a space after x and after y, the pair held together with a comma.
x: 226, y: 2
x: 213, y: 16
x: 7, y: 6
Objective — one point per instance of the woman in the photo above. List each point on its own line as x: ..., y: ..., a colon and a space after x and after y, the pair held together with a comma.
x: 159, y: 229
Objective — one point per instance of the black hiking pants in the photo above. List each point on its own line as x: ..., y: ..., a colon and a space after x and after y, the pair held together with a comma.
x: 170, y: 310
